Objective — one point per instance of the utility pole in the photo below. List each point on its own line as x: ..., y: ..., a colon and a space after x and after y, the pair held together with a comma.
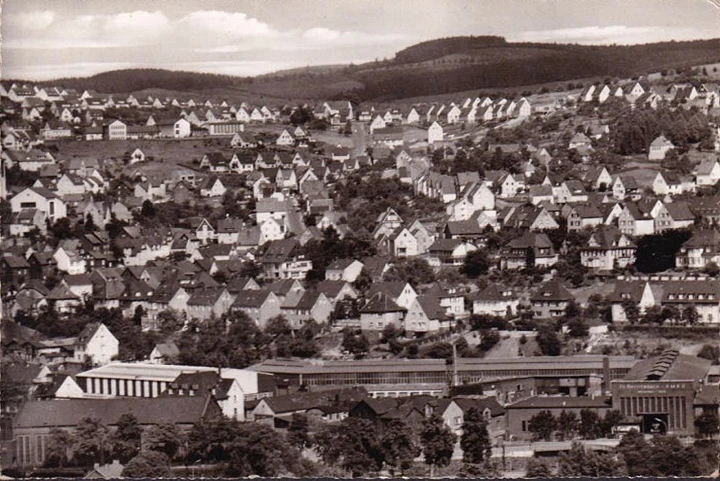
x: 455, y: 380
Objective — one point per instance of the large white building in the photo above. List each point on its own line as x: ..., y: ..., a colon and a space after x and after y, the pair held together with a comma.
x: 119, y: 379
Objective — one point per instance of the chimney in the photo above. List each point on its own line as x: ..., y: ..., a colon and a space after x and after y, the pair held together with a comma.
x: 606, y: 376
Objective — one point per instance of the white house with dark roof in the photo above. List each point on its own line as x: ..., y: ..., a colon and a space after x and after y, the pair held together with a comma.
x: 435, y: 133
x: 346, y: 270
x: 707, y: 172
x: 97, y: 344
x: 40, y: 199
x: 659, y: 148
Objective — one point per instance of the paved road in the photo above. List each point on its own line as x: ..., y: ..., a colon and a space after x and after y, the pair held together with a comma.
x: 360, y: 138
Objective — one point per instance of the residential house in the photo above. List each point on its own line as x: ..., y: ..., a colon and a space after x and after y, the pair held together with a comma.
x: 211, y: 302
x: 528, y: 217
x: 426, y: 315
x: 581, y: 216
x: 449, y: 252
x: 453, y: 412
x: 607, y: 249
x: 213, y: 187
x: 379, y: 312
x: 495, y: 300
x: 701, y: 294
x: 39, y: 199
x: 402, y: 293
x: 669, y: 183
x: 550, y: 300
x: 435, y: 133
x: 598, y: 177
x: 511, y: 185
x: 301, y: 306
x: 346, y: 270
x: 282, y: 260
x: 260, y: 305
x: 579, y: 140
x: 527, y: 251
x: 701, y: 249
x: 625, y: 186
x: 97, y: 344
x: 672, y: 215
x: 659, y: 148
x: 707, y: 172
x: 636, y: 220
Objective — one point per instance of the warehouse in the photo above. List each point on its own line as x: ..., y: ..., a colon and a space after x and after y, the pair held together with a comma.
x: 658, y: 394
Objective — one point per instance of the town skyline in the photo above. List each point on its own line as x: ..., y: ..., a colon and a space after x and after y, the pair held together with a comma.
x: 44, y: 40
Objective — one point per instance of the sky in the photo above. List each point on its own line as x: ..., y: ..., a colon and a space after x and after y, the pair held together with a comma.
x: 44, y: 39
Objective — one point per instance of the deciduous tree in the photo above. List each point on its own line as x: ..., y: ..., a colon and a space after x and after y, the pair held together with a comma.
x: 399, y: 448
x: 475, y: 439
x: 542, y: 425
x: 126, y: 438
x: 437, y: 442
x: 148, y: 464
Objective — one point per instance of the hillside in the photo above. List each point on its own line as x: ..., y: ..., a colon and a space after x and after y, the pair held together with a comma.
x: 429, y: 68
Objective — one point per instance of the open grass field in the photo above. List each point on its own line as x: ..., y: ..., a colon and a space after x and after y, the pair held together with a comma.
x: 164, y: 150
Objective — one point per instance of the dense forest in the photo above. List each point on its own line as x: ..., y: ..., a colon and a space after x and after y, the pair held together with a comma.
x: 132, y: 80
x: 508, y: 65
x: 636, y: 129
x: 433, y: 49
x: 430, y: 68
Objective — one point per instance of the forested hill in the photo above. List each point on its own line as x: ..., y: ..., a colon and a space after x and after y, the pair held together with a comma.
x: 432, y: 49
x: 133, y: 80
x: 467, y: 63
x: 429, y: 68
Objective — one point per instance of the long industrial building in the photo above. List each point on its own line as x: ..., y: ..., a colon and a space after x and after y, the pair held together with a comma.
x: 572, y: 375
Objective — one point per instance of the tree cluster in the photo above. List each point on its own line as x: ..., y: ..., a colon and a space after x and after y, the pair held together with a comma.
x: 146, y: 452
x: 634, y: 129
x: 664, y: 456
x: 231, y: 341
x: 568, y: 425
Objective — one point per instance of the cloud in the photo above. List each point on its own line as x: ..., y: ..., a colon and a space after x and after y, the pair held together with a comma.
x: 321, y: 34
x: 224, y: 25
x: 36, y: 20
x: 610, y: 34
x: 125, y: 29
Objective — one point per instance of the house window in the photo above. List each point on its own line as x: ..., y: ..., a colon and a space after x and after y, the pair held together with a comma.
x: 524, y: 426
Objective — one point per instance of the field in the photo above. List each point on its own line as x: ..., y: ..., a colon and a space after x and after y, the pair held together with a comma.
x: 161, y: 150
x: 642, y: 344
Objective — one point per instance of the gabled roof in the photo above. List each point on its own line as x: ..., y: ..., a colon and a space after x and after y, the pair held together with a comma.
x: 380, y: 303
x: 431, y: 307
x: 303, y: 401
x: 494, y: 293
x: 62, y: 292
x: 340, y: 264
x: 251, y: 298
x: 531, y: 240
x: 392, y: 288
x: 148, y: 411
x: 332, y: 289
x: 679, y: 211
x: 489, y: 402
x: 552, y: 290
x: 703, y: 238
x: 205, y: 297
x: 661, y: 141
